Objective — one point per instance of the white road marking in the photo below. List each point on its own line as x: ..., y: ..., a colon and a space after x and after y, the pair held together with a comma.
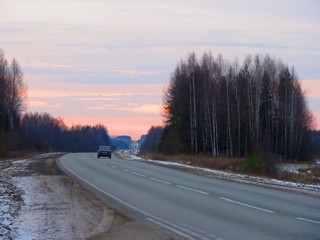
x: 127, y: 204
x: 193, y: 229
x: 114, y: 167
x: 171, y: 228
x: 200, y: 234
x: 308, y: 220
x: 160, y: 181
x: 126, y: 170
x: 191, y: 189
x: 139, y: 174
x: 247, y: 205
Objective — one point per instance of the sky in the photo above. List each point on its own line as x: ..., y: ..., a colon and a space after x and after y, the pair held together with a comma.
x: 109, y: 61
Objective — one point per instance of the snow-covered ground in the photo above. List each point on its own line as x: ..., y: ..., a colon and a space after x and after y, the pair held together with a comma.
x: 38, y: 201
x: 10, y: 199
x: 294, y: 168
x: 234, y: 176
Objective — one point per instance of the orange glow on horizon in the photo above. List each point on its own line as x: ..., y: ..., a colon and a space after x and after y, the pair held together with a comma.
x: 90, y: 104
x: 117, y: 126
x: 43, y: 87
x: 311, y: 87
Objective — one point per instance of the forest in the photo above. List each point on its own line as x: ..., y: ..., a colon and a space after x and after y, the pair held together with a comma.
x: 152, y: 140
x: 44, y: 132
x: 38, y: 131
x: 212, y: 106
x: 230, y: 109
x: 13, y: 92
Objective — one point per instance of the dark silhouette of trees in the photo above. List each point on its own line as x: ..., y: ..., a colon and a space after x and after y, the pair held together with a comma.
x: 13, y: 92
x: 315, y: 139
x: 212, y: 105
x: 44, y: 132
x: 122, y: 142
x: 152, y: 140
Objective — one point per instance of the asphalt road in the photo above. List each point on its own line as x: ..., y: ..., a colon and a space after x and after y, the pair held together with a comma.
x: 197, y: 207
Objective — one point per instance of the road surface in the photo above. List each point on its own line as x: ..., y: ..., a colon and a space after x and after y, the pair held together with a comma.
x: 197, y: 207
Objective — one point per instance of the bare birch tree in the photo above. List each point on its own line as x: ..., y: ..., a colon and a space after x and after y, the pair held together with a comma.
x: 258, y: 106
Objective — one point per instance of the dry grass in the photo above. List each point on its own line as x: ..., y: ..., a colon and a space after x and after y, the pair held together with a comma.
x: 308, y: 176
x: 18, y: 154
x: 305, y: 178
x: 201, y: 160
x: 314, y: 170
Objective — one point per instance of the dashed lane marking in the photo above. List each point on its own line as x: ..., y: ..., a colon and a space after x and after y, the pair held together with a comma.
x: 194, y: 190
x: 247, y: 205
x: 160, y: 181
x: 308, y: 220
x: 138, y: 174
x: 148, y: 215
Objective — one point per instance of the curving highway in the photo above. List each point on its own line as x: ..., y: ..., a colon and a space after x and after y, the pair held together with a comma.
x: 196, y: 207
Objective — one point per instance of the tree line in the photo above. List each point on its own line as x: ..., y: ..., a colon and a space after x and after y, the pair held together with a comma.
x: 44, y: 132
x: 217, y: 106
x: 211, y: 105
x: 152, y: 140
x: 315, y: 139
x: 35, y: 131
x: 13, y: 92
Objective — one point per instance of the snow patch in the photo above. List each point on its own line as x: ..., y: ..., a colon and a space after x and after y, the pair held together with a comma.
x: 293, y: 168
x: 10, y: 202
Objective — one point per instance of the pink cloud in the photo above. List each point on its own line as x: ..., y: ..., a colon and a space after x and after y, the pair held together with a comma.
x: 42, y: 104
x: 130, y: 72
x: 131, y: 107
x: 311, y: 87
x: 312, y: 91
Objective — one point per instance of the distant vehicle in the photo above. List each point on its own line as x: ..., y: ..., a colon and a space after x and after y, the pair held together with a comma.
x: 104, y: 151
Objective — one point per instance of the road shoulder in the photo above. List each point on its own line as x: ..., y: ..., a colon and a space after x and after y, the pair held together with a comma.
x: 48, y: 203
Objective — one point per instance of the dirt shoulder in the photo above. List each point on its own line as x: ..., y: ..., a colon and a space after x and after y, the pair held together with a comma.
x: 39, y: 201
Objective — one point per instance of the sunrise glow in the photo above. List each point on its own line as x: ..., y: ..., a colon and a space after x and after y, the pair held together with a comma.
x: 109, y: 62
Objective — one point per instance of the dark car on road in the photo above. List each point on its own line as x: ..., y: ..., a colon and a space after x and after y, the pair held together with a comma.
x: 104, y: 151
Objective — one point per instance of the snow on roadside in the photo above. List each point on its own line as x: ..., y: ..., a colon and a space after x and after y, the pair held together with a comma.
x: 10, y: 202
x: 37, y: 201
x: 55, y: 208
x: 234, y: 176
x: 293, y: 168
